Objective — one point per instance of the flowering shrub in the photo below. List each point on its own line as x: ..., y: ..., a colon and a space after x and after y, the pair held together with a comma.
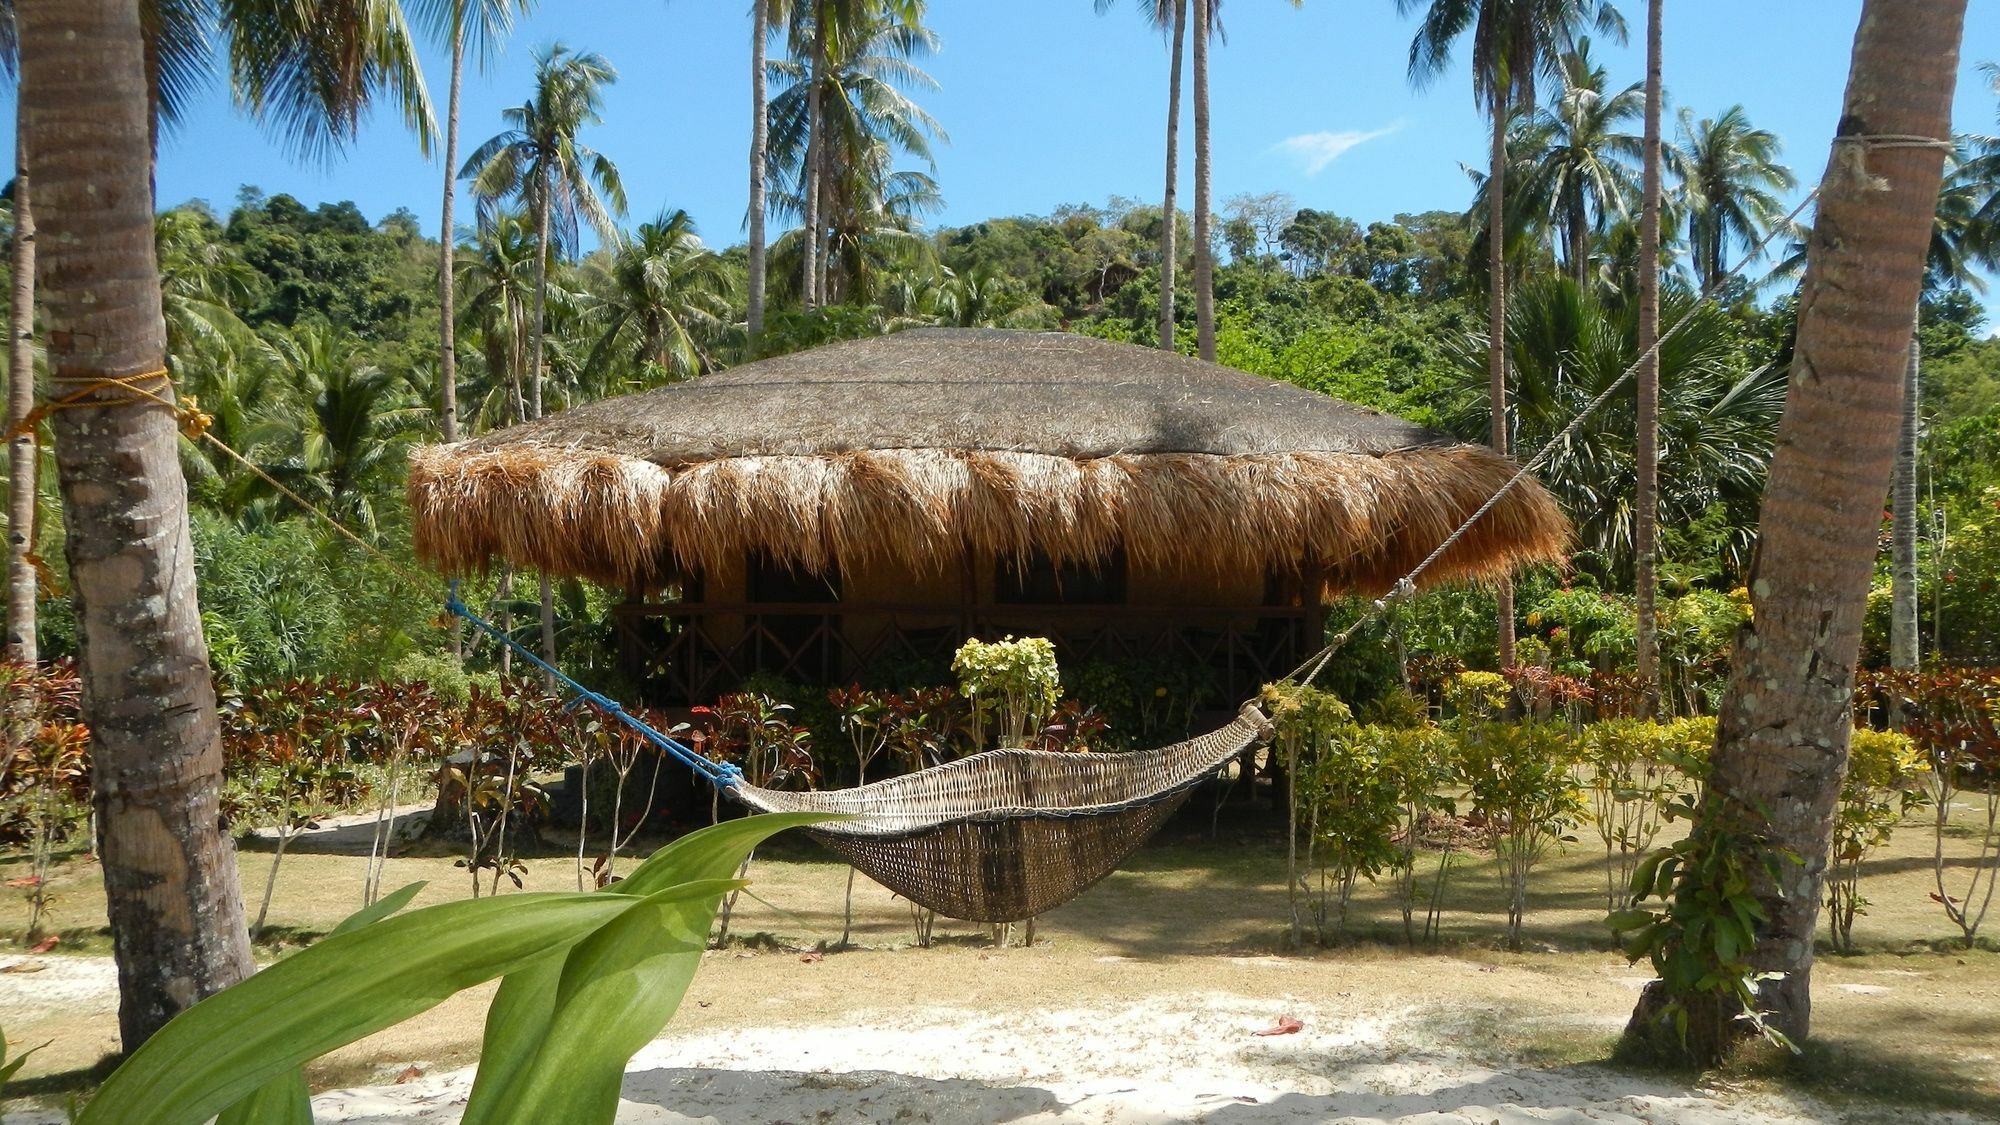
x: 1016, y: 679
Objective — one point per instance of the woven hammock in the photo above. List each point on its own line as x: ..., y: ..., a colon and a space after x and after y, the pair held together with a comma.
x: 1008, y: 834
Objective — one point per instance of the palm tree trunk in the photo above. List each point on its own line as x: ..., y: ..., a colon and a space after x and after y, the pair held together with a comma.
x: 809, y: 171
x: 760, y: 34
x: 22, y: 581
x: 1787, y: 716
x: 170, y: 878
x: 823, y: 254
x: 538, y: 324
x: 1645, y: 532
x: 1169, y: 234
x: 1904, y: 649
x: 447, y: 244
x: 1204, y: 250
x: 447, y: 254
x: 1496, y: 340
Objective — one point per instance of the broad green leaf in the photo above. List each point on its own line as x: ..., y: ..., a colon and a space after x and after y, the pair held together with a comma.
x: 527, y: 1005
x: 286, y: 1099
x: 515, y: 1023
x: 619, y: 988
x: 712, y: 852
x: 219, y: 1051
x: 379, y: 909
x: 1623, y: 920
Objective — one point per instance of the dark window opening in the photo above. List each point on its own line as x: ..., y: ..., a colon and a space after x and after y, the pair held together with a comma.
x: 1038, y: 580
x: 773, y: 580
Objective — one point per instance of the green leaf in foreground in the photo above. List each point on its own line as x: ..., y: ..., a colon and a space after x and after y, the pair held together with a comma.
x: 536, y: 1016
x: 219, y: 1051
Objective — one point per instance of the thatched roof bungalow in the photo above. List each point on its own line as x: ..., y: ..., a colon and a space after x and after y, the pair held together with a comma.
x: 818, y: 514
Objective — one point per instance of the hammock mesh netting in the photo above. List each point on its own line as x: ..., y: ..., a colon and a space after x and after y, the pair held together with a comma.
x: 1008, y: 834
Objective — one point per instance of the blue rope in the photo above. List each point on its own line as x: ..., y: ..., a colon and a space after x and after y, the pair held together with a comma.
x: 722, y: 775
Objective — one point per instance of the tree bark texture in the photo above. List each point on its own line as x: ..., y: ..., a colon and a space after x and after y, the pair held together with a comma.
x: 23, y: 583
x: 171, y: 885
x: 1204, y: 248
x: 1496, y: 339
x: 1169, y: 207
x: 1904, y: 649
x: 1646, y: 505
x: 447, y: 246
x: 1786, y: 718
x: 760, y: 127
x: 809, y: 171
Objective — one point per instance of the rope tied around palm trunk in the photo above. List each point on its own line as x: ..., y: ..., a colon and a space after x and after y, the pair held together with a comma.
x: 155, y: 388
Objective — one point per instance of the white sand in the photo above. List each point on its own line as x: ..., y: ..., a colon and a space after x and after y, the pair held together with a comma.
x: 1181, y: 1058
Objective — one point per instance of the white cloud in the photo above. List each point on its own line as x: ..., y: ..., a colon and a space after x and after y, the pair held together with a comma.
x: 1314, y: 151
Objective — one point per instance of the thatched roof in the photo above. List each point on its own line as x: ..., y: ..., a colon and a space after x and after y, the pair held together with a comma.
x: 918, y: 445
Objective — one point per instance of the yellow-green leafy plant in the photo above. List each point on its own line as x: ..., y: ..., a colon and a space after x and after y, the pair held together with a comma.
x: 1305, y: 719
x: 1017, y: 680
x: 1418, y: 763
x: 586, y: 979
x: 1624, y: 768
x: 1885, y: 779
x: 1519, y: 783
x: 1355, y: 805
x: 1477, y: 697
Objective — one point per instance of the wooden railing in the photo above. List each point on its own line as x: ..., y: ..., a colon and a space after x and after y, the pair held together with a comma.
x: 683, y: 659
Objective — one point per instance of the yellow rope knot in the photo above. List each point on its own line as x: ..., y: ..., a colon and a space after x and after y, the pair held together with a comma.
x: 194, y: 420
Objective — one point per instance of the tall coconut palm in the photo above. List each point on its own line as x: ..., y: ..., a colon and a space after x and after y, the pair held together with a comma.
x: 833, y: 131
x: 764, y: 15
x: 497, y: 273
x: 1512, y: 43
x: 1169, y: 17
x: 23, y: 583
x: 1786, y: 716
x: 1577, y: 175
x: 98, y: 77
x: 1204, y: 243
x: 664, y: 297
x: 562, y: 182
x: 1961, y: 236
x: 1733, y: 182
x: 170, y: 874
x: 1645, y: 545
x: 480, y: 26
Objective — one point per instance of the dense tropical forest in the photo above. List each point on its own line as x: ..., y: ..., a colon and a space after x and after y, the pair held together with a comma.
x: 311, y: 336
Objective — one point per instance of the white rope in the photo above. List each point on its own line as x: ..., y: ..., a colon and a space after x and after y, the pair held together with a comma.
x: 1406, y: 586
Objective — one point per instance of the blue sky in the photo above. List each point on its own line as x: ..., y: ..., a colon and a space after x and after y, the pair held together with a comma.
x: 1048, y: 103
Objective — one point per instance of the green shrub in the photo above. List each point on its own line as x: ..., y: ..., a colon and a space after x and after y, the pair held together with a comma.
x: 1015, y: 681
x: 1885, y: 774
x: 1519, y: 782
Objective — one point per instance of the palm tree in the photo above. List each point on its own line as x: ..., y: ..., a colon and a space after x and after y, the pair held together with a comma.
x: 1512, y: 41
x: 1786, y: 716
x: 480, y: 25
x: 539, y: 161
x: 1733, y: 181
x: 664, y: 296
x: 98, y: 79
x: 498, y: 274
x: 761, y: 22
x: 353, y: 430
x: 1169, y: 17
x: 1566, y: 344
x: 1645, y: 546
x: 836, y: 177
x: 170, y: 875
x: 23, y: 583
x: 1576, y: 155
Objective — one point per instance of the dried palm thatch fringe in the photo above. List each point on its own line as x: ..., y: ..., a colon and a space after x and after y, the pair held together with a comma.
x: 912, y: 449
x: 1361, y: 519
